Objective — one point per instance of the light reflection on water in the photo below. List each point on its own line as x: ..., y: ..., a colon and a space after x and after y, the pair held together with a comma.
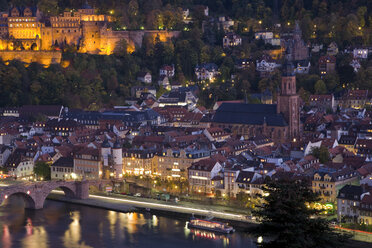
x: 68, y: 225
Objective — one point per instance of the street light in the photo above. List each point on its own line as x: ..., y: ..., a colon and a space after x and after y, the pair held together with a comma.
x: 259, y: 240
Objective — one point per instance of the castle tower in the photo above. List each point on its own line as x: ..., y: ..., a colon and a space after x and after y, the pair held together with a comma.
x: 288, y: 101
x: 117, y: 154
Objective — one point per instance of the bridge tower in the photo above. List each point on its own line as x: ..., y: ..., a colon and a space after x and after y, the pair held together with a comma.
x: 117, y: 154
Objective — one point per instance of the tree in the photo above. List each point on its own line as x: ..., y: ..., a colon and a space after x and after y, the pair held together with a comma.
x: 48, y: 7
x: 42, y: 170
x: 305, y: 95
x: 321, y: 153
x: 288, y: 221
x: 320, y: 87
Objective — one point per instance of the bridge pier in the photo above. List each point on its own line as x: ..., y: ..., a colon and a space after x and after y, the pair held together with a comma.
x: 38, y: 196
x: 82, y: 190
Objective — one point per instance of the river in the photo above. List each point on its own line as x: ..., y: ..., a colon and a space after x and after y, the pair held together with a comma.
x: 69, y: 225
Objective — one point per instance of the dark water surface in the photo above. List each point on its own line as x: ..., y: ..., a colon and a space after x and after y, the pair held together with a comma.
x: 69, y: 225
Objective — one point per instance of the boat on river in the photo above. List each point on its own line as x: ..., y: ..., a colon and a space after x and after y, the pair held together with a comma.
x: 209, y: 225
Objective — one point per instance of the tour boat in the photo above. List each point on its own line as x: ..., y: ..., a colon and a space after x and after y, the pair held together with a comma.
x: 210, y: 225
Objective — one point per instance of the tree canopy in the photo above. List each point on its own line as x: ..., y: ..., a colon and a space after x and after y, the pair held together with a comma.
x: 288, y: 221
x: 321, y: 153
x: 42, y: 170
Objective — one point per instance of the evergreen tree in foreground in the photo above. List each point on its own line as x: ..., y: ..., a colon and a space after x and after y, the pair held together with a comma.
x: 287, y: 221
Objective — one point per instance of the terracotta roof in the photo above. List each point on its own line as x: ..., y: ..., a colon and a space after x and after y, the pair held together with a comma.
x: 327, y: 59
x: 204, y: 165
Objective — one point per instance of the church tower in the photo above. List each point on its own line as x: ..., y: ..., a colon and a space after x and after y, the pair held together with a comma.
x: 288, y: 101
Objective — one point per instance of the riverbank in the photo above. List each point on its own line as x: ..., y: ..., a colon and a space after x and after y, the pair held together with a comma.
x: 91, y: 202
x: 123, y: 204
x: 129, y: 204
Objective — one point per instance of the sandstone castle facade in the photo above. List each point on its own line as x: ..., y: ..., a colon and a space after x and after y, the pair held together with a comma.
x: 25, y: 29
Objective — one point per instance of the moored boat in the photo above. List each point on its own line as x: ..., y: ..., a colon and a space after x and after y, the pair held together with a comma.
x: 210, y: 225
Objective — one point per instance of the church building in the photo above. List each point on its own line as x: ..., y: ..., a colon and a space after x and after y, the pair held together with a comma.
x: 280, y: 122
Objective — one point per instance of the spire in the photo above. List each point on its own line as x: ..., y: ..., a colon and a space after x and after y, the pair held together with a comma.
x: 117, y: 144
x: 297, y: 29
x: 287, y: 69
x: 105, y: 143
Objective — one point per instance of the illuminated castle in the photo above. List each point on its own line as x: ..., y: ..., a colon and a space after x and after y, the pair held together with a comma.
x: 24, y: 29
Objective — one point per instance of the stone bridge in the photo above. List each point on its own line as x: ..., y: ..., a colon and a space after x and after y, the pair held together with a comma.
x: 34, y: 194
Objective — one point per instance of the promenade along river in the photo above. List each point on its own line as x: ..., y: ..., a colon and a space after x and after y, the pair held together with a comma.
x: 68, y: 225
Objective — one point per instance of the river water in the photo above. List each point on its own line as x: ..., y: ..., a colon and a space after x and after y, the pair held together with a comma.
x: 69, y: 225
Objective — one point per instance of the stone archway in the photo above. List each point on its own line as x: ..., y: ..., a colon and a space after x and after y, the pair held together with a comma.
x: 68, y: 190
x: 28, y: 200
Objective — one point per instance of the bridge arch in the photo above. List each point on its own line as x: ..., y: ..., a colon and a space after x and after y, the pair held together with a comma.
x: 68, y: 190
x: 27, y: 199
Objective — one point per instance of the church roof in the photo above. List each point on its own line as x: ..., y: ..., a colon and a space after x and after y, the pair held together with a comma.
x: 251, y: 114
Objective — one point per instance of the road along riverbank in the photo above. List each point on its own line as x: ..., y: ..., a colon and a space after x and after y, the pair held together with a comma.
x: 156, y: 207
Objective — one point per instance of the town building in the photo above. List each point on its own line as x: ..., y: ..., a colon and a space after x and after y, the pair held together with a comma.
x: 327, y: 64
x: 327, y: 182
x: 207, y: 71
x: 348, y: 203
x: 250, y: 182
x: 365, y: 216
x: 348, y: 141
x: 173, y: 163
x: 167, y: 70
x: 4, y: 154
x: 231, y: 40
x: 136, y: 91
x: 268, y: 37
x: 62, y: 169
x: 163, y: 81
x: 144, y: 77
x: 201, y: 175
x: 322, y: 102
x: 140, y: 162
x: 356, y: 99
x: 88, y: 164
x: 183, y: 98
x: 244, y: 64
x: 332, y: 49
x: 355, y: 64
x: 20, y: 166
x: 302, y: 67
x: 266, y: 65
x: 360, y: 53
